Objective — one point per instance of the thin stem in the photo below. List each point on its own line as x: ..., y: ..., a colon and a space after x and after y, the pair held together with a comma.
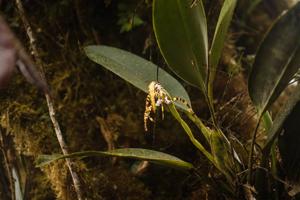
x: 62, y: 143
x: 195, y: 142
x: 209, y: 102
x: 267, y: 119
x: 197, y: 121
x: 250, y: 159
x: 188, y: 131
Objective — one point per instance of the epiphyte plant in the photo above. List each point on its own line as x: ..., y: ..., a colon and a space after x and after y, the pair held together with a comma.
x: 193, y: 61
x: 188, y: 23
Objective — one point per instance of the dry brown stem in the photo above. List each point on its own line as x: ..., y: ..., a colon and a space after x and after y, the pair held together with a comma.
x: 62, y: 143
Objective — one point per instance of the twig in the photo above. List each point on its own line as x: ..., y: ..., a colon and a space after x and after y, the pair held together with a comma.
x: 62, y: 143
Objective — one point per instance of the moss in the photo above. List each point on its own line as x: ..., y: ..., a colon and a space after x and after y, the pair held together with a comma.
x: 115, y: 183
x: 80, y: 93
x: 83, y: 91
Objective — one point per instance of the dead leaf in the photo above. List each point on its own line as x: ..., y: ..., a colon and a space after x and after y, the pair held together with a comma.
x: 106, y: 133
x: 249, y: 192
x: 140, y: 167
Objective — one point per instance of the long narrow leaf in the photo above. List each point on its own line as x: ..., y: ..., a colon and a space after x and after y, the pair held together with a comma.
x: 219, y: 39
x: 135, y: 153
x: 283, y: 115
x: 286, y: 129
x: 277, y: 60
x: 136, y: 70
x: 181, y: 32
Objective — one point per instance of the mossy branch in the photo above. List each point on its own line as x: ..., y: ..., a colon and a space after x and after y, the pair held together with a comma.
x: 62, y: 143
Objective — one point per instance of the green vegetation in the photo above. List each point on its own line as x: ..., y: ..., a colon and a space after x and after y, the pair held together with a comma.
x: 236, y: 153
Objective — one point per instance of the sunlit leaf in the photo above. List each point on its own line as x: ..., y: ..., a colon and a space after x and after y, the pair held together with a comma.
x: 181, y: 32
x: 277, y: 60
x: 135, y: 153
x: 219, y: 39
x: 205, y: 131
x: 136, y: 70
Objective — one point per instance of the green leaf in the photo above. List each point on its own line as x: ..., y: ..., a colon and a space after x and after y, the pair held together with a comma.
x: 130, y: 22
x: 277, y: 60
x: 283, y: 117
x: 181, y: 32
x: 286, y: 129
x: 219, y: 39
x: 136, y: 153
x: 136, y: 70
x: 205, y: 131
x: 219, y: 156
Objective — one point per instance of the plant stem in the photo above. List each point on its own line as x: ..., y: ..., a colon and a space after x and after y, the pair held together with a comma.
x: 267, y: 119
x: 197, y: 121
x: 62, y: 143
x: 195, y: 142
x: 188, y: 131
x: 250, y: 160
x: 210, y: 104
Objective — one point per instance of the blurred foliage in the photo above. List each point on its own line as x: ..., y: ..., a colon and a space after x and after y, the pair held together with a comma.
x: 128, y: 18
